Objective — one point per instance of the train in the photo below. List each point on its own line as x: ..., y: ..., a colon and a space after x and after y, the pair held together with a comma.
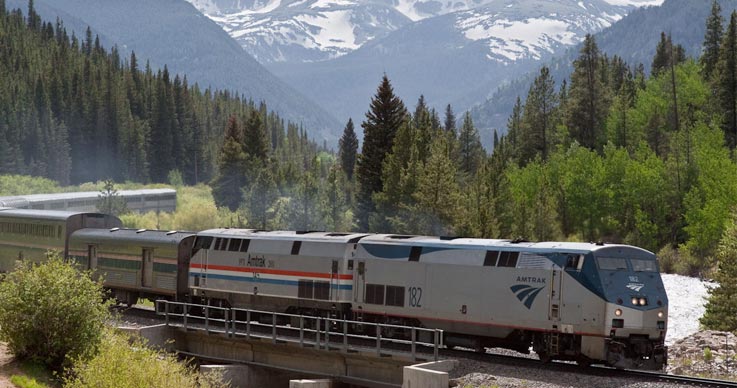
x: 140, y: 201
x: 584, y: 302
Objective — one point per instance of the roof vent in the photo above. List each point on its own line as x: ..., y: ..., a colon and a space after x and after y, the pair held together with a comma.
x: 600, y: 243
x: 114, y: 230
x: 169, y: 233
x: 518, y: 240
x: 400, y: 236
x: 140, y: 230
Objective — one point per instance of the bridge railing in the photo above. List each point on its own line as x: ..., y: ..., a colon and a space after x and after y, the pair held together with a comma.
x: 327, y: 333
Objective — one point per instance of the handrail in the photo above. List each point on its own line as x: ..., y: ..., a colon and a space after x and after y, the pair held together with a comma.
x: 307, y: 330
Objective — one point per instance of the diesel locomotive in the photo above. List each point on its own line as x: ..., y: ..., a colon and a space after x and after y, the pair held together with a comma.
x: 587, y: 302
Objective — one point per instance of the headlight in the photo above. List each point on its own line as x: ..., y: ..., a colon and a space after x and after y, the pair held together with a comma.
x: 643, y: 301
x: 634, y: 301
x: 660, y: 314
x: 618, y: 312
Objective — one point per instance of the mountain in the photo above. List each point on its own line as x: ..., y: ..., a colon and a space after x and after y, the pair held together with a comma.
x: 457, y: 53
x: 634, y: 38
x: 174, y: 33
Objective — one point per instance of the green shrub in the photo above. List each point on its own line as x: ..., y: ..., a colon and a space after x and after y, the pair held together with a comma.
x: 122, y: 364
x: 707, y: 354
x: 51, y: 311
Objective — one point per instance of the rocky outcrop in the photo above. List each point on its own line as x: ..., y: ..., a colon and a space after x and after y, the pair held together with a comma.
x: 705, y: 353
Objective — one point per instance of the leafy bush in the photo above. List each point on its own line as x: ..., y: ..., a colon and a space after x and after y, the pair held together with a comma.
x: 51, y: 311
x: 23, y: 184
x: 121, y: 364
x: 707, y: 354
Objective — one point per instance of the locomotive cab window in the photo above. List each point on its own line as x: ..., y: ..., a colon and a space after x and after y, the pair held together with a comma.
x: 611, y: 263
x: 202, y: 242
x: 644, y: 265
x: 574, y: 262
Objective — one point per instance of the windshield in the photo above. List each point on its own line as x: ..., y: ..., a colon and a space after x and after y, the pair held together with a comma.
x: 611, y: 263
x: 644, y: 266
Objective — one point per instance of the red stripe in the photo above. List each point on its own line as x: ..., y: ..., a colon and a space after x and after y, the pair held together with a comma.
x: 272, y: 271
x: 474, y: 323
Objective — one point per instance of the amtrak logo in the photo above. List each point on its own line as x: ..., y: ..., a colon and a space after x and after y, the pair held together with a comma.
x: 636, y: 287
x: 526, y: 293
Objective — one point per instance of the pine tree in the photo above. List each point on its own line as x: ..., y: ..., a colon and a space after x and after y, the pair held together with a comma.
x: 725, y: 79
x: 437, y: 194
x: 348, y: 150
x: 109, y: 201
x: 514, y: 129
x: 230, y: 178
x: 255, y: 142
x: 667, y: 55
x: 382, y: 121
x: 261, y: 197
x: 712, y: 40
x: 538, y: 118
x: 450, y: 121
x: 721, y: 307
x: 586, y: 110
x: 471, y: 152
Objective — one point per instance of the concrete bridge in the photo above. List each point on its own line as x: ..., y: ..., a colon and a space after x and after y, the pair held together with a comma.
x: 267, y: 349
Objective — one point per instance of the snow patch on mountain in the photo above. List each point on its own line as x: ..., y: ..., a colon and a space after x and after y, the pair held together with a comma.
x: 513, y: 39
x: 635, y: 3
x: 334, y: 30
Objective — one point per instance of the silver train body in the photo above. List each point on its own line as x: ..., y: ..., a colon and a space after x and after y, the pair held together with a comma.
x: 568, y: 301
x: 141, y: 201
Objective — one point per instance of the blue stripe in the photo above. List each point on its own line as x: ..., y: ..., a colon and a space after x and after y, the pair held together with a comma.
x: 266, y: 281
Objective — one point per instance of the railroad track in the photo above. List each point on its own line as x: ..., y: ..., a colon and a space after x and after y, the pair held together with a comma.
x: 513, y: 360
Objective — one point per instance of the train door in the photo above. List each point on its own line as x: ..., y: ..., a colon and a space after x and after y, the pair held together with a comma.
x: 555, y: 295
x: 148, y: 268
x: 359, y: 282
x: 92, y: 257
x: 334, y: 281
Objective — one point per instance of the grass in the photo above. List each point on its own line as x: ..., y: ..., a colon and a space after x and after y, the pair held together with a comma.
x: 33, y: 376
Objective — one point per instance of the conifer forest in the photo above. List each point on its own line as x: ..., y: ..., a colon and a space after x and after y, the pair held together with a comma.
x: 642, y: 154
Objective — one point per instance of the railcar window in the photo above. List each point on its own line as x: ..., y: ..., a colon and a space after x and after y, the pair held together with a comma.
x: 223, y: 244
x: 508, y: 259
x: 490, y: 259
x: 203, y: 242
x: 395, y: 296
x: 322, y: 290
x: 611, y: 263
x: 644, y: 265
x: 375, y: 293
x: 304, y: 289
x: 235, y: 245
x: 244, y: 245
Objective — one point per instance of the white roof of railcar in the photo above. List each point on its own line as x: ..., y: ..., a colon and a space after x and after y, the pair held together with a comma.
x: 83, y: 194
x: 40, y: 214
x: 424, y: 241
x: 282, y: 235
x: 480, y: 243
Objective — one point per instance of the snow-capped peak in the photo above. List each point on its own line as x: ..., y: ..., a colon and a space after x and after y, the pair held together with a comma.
x: 317, y: 30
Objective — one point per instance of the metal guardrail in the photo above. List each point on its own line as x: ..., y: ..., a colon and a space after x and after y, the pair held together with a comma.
x: 308, y: 331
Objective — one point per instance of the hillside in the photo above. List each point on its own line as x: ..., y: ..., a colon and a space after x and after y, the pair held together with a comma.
x: 634, y: 38
x: 174, y: 33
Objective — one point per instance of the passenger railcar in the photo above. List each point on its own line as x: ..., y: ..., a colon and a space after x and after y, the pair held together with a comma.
x: 141, y: 201
x: 290, y: 271
x: 29, y: 234
x: 136, y: 263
